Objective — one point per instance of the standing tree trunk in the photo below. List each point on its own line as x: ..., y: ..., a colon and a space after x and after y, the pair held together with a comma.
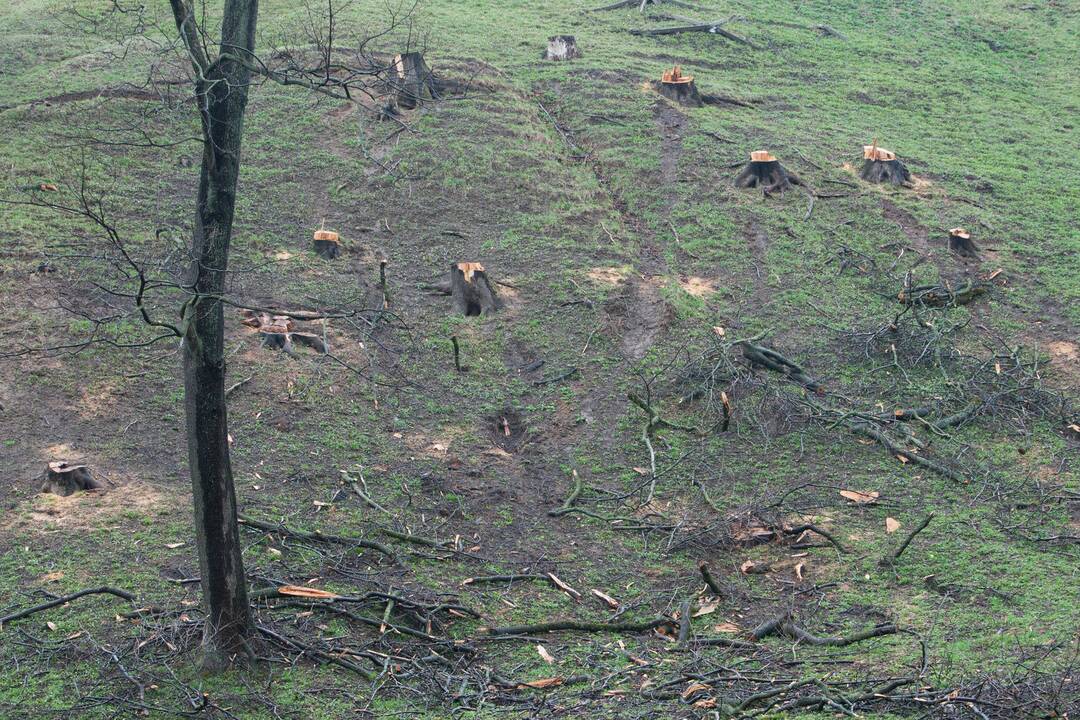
x: 221, y: 89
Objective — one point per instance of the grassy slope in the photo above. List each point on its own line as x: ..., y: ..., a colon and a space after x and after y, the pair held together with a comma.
x: 970, y: 93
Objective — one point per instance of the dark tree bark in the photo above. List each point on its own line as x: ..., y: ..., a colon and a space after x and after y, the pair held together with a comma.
x: 60, y: 478
x: 679, y: 88
x: 222, y: 90
x: 766, y: 172
x: 471, y: 290
x: 413, y: 80
x: 960, y: 242
x: 882, y: 166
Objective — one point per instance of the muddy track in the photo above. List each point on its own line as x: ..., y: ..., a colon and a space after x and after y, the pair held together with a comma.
x: 758, y: 242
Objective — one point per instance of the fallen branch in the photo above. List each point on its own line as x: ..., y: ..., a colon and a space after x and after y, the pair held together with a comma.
x: 578, y: 626
x: 103, y: 590
x: 713, y: 28
x: 799, y: 529
x: 802, y: 635
x: 890, y: 559
x: 315, y: 536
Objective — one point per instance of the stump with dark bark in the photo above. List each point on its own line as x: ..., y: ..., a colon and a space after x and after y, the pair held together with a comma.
x: 766, y: 172
x: 327, y: 244
x: 471, y: 290
x: 411, y: 80
x: 960, y: 242
x: 562, y: 47
x: 679, y: 88
x: 278, y: 332
x: 60, y: 478
x: 882, y: 166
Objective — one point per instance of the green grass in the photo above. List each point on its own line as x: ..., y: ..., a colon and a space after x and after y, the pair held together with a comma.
x: 968, y: 93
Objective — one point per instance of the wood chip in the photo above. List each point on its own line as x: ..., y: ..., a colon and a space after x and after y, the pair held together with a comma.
x: 564, y: 587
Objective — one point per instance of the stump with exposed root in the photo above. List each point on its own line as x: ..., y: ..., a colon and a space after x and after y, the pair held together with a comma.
x: 562, y: 47
x: 766, y: 172
x: 471, y: 290
x: 327, y: 244
x: 679, y: 88
x: 882, y: 166
x: 960, y: 242
x: 411, y: 80
x: 62, y: 478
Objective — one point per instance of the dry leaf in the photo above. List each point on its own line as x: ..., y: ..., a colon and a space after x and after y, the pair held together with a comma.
x: 564, y: 587
x: 173, y: 546
x: 497, y: 452
x: 726, y: 628
x: 798, y: 570
x: 706, y: 704
x: 641, y: 471
x: 300, y: 591
x: 859, y: 497
x: 902, y: 459
x: 52, y: 577
x: 51, y: 625
x: 891, y: 525
x: 706, y: 609
x: 720, y: 332
x: 542, y: 683
x: 608, y: 600
x: 548, y: 658
x: 694, y: 689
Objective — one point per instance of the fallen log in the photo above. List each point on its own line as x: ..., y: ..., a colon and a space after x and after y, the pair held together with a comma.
x: 579, y: 626
x: 713, y: 28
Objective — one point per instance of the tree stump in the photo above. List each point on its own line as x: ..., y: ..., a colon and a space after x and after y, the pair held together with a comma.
x: 471, y: 290
x: 412, y: 80
x: 960, y: 242
x: 882, y: 166
x: 766, y: 172
x: 562, y: 47
x: 279, y: 332
x: 679, y: 88
x: 327, y: 244
x: 60, y: 478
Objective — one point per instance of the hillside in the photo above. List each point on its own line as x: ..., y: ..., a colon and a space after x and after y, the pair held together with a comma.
x: 783, y: 386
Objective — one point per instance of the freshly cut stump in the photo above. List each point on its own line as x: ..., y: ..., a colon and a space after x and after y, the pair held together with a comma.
x: 882, y: 166
x: 327, y: 244
x: 562, y: 47
x: 60, y: 478
x: 412, y: 80
x: 679, y: 88
x: 471, y: 290
x: 279, y: 332
x: 960, y: 242
x: 766, y: 172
